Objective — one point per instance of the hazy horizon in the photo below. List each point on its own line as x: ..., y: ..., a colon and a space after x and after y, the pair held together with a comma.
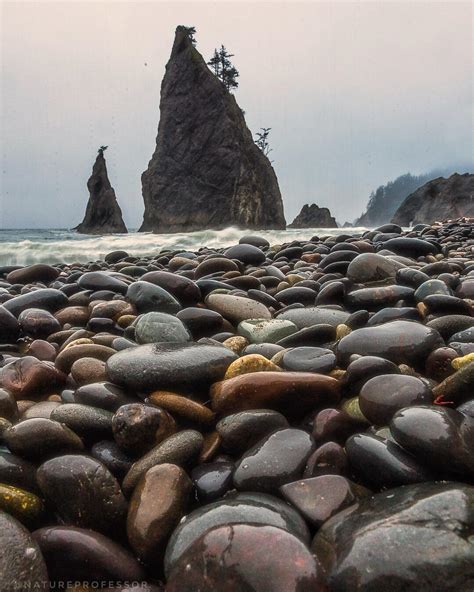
x: 356, y: 94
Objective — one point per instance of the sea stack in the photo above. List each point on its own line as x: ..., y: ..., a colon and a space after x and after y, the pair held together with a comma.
x: 103, y: 214
x: 206, y: 171
x: 437, y: 201
x: 312, y: 216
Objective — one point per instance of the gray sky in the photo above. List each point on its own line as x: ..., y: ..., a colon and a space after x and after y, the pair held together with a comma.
x: 356, y: 93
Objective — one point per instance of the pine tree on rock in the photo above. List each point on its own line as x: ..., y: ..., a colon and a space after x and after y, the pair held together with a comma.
x: 223, y: 68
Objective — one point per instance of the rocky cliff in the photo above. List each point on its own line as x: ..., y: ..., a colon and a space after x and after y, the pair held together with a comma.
x: 103, y: 214
x: 438, y: 200
x: 206, y: 171
x: 312, y: 216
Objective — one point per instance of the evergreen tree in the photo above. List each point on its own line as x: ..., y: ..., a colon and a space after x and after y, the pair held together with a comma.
x: 223, y: 68
x: 262, y: 140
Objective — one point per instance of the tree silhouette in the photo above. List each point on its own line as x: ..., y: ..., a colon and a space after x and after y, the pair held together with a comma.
x: 262, y: 140
x: 190, y: 32
x: 223, y: 68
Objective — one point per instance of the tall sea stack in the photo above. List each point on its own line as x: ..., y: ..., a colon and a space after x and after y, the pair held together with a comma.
x: 206, y: 171
x: 103, y: 214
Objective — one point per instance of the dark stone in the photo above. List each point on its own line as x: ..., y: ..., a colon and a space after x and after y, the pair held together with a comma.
x: 308, y: 359
x: 381, y: 463
x: 21, y: 561
x: 268, y: 557
x: 103, y: 214
x: 421, y: 522
x: 179, y: 449
x: 212, y: 480
x: 169, y: 366
x: 104, y: 395
x: 99, y: 280
x: 38, y: 323
x: 251, y: 508
x: 138, y: 427
x: 148, y: 297
x: 402, y: 342
x: 364, y: 368
x: 77, y: 554
x: 328, y: 459
x: 206, y: 172
x: 438, y: 437
x: 275, y: 460
x: 247, y: 254
x: 38, y: 438
x: 113, y: 457
x: 382, y: 396
x: 9, y: 326
x: 83, y: 492
x: 44, y: 298
x: 91, y: 423
x: 242, y: 430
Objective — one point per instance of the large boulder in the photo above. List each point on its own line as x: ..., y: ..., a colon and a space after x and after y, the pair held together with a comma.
x: 206, y: 171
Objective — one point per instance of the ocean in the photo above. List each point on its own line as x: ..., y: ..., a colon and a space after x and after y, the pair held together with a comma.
x: 25, y: 247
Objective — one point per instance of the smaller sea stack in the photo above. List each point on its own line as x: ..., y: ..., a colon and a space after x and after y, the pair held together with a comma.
x: 103, y: 214
x: 312, y: 216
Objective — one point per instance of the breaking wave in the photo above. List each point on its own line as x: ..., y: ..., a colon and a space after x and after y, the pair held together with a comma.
x: 25, y: 247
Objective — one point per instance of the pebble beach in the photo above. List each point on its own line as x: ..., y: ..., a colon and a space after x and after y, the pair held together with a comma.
x: 286, y: 417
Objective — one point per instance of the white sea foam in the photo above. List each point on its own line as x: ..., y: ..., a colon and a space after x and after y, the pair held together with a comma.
x: 24, y: 247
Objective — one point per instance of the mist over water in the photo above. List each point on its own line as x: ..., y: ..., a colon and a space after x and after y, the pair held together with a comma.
x: 25, y: 247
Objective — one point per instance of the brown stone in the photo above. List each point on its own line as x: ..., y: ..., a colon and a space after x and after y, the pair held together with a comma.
x: 68, y: 356
x: 182, y: 407
x: 88, y: 370
x: 294, y: 393
x: 157, y: 505
x: 29, y: 377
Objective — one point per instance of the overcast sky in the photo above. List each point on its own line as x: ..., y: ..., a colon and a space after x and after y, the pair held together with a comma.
x: 356, y: 93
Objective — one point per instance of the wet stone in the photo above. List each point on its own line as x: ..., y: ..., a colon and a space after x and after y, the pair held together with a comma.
x: 38, y: 438
x: 148, y: 297
x: 83, y: 555
x: 382, y: 396
x: 439, y: 437
x: 418, y: 521
x: 252, y: 508
x: 212, y: 480
x: 241, y: 431
x: 169, y: 366
x: 275, y: 460
x: 137, y: 427
x: 399, y: 341
x: 309, y: 359
x: 21, y: 559
x: 266, y: 331
x: 264, y: 557
x: 158, y: 327
x: 321, y: 497
x: 83, y: 492
x: 379, y: 463
x: 158, y: 503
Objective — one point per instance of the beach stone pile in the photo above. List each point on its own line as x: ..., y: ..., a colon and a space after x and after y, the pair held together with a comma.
x: 269, y: 418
